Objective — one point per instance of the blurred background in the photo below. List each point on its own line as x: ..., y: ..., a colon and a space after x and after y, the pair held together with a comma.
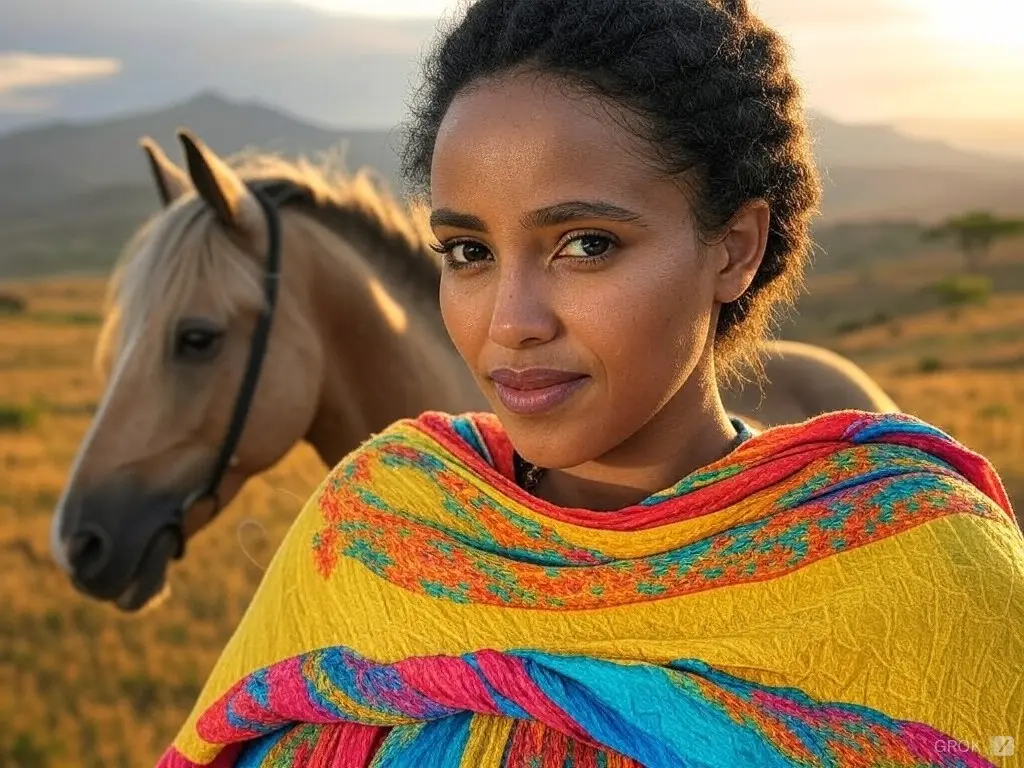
x: 917, y: 108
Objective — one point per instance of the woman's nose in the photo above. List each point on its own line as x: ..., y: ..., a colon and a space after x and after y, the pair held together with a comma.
x: 522, y: 315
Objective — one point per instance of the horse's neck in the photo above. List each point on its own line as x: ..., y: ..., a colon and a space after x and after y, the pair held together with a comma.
x: 386, y: 357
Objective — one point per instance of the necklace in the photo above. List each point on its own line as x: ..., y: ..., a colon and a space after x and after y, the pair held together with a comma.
x: 528, y: 476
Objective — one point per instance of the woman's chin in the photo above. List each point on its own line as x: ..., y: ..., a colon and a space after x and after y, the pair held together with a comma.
x: 554, y: 445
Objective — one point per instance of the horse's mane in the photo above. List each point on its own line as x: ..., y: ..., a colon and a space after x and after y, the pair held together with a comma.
x: 153, y: 274
x: 356, y: 206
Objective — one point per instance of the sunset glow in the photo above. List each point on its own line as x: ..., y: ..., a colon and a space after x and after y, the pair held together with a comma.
x: 980, y: 23
x: 385, y: 8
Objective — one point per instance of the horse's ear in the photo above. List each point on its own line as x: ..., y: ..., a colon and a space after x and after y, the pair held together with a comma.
x: 220, y: 186
x: 171, y: 181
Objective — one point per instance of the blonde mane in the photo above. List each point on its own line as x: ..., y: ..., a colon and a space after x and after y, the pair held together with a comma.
x: 175, y: 249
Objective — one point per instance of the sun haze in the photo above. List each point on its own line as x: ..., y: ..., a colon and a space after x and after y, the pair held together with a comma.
x: 384, y: 8
x: 935, y: 68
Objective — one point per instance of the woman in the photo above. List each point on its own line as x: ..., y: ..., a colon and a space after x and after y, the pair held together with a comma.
x: 609, y: 571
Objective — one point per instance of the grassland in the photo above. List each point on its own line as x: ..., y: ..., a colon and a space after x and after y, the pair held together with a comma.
x: 81, y: 685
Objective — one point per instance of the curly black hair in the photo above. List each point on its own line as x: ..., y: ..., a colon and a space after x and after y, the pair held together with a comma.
x: 715, y: 99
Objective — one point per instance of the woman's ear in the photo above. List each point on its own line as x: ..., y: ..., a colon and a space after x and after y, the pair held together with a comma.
x: 744, y: 243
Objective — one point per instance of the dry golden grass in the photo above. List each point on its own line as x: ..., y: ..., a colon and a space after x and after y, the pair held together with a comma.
x: 83, y: 685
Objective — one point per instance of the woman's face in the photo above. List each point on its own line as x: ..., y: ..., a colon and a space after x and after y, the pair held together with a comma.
x: 574, y: 284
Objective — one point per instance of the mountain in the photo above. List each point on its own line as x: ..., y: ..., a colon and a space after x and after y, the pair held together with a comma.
x: 877, y: 172
x: 67, y: 159
x: 339, y: 68
x: 883, y: 146
x: 71, y: 193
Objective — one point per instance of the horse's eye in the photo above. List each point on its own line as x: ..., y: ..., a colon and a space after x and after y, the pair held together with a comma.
x: 195, y: 344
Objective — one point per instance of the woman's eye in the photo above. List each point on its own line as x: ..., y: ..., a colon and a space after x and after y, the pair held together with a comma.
x: 587, y: 246
x: 467, y: 253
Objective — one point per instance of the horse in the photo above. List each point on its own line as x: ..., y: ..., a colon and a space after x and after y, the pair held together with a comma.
x: 269, y: 302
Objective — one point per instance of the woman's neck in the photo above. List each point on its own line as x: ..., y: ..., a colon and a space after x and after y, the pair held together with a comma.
x: 690, y: 432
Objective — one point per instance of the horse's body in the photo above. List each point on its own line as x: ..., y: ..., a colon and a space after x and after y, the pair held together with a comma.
x: 355, y: 342
x: 804, y: 380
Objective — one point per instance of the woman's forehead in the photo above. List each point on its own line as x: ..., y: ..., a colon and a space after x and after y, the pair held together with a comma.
x: 527, y: 131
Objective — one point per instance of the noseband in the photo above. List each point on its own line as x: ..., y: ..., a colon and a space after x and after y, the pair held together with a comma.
x: 257, y: 352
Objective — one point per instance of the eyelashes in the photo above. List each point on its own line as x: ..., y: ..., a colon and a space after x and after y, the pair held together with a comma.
x: 592, y: 248
x: 448, y: 251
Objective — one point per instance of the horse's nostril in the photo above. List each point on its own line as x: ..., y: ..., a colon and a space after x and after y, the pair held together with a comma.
x: 89, y: 551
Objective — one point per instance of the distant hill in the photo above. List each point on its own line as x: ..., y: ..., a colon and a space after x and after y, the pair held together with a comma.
x: 882, y: 146
x: 67, y: 159
x: 872, y: 172
x: 71, y: 193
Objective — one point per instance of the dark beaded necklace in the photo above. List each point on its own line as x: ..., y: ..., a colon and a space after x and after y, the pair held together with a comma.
x: 528, y: 476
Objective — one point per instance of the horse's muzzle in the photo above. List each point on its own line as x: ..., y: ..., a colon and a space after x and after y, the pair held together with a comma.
x: 118, y: 541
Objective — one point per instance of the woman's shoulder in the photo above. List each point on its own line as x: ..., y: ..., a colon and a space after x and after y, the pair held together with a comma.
x: 468, y: 437
x: 875, y: 446
x: 467, y: 425
x: 850, y: 424
x: 862, y: 428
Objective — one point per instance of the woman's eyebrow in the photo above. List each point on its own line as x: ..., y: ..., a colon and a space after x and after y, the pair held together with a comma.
x: 575, y: 210
x: 446, y: 217
x: 548, y: 216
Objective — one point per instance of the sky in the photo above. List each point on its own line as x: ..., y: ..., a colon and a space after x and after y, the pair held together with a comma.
x: 980, y: 24
x: 933, y: 66
x: 425, y: 9
x: 948, y: 69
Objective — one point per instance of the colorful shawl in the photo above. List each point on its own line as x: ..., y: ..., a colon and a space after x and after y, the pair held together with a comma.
x: 844, y: 592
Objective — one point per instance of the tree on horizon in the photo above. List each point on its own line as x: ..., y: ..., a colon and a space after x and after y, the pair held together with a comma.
x: 975, y: 233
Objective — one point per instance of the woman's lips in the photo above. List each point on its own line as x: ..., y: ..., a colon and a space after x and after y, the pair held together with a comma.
x: 535, y: 390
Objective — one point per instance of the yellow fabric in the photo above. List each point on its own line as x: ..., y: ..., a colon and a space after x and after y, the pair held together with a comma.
x: 926, y: 626
x: 487, y: 737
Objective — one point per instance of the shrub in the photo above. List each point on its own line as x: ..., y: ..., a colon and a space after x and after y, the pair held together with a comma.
x: 963, y: 290
x: 17, y: 418
x: 996, y: 411
x: 12, y: 304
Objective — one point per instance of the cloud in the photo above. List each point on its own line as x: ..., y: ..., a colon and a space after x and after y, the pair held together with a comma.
x: 22, y: 71
x: 28, y: 70
x: 334, y: 69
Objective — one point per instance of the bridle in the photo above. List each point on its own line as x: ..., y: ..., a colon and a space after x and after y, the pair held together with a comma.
x: 257, y: 352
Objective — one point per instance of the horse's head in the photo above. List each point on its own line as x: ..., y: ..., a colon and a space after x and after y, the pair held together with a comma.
x: 179, y: 350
